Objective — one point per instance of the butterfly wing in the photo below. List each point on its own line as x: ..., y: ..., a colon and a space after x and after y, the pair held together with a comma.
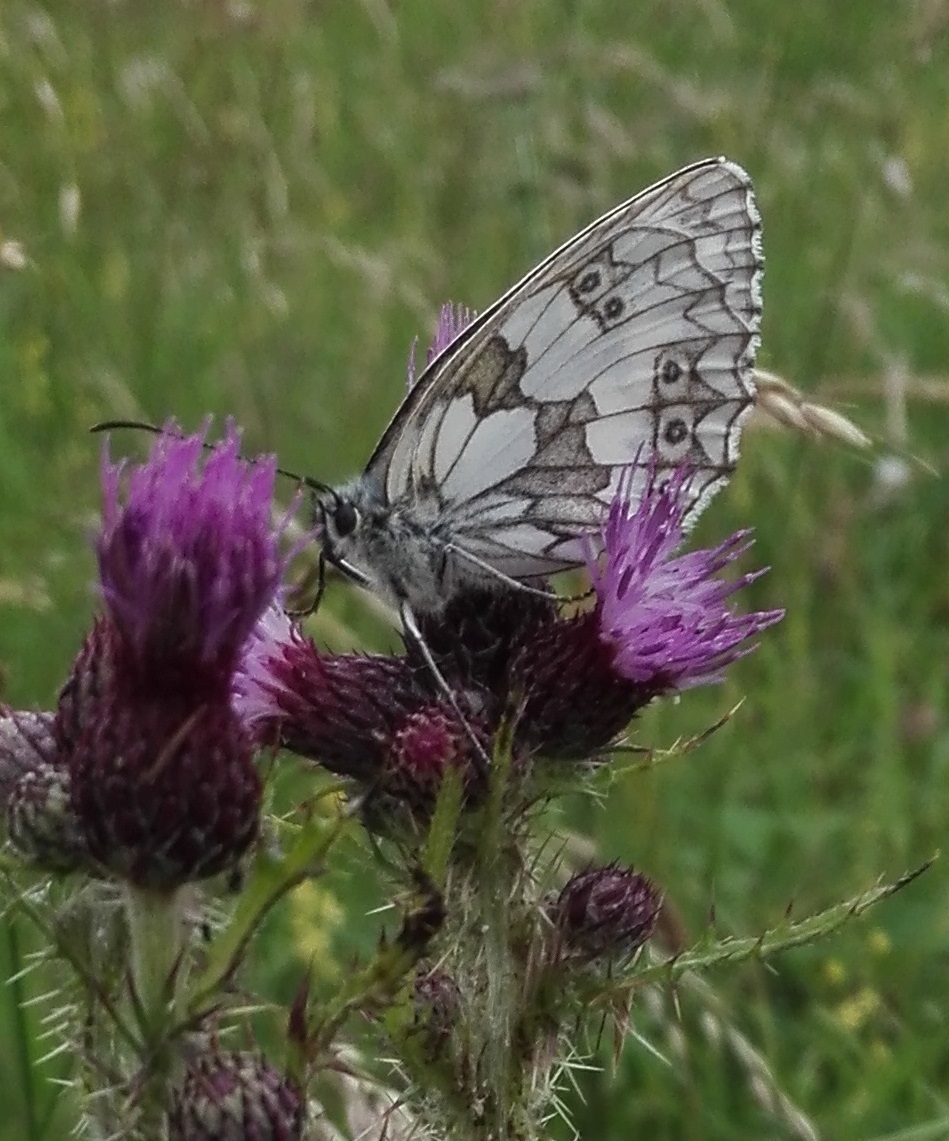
x: 634, y: 341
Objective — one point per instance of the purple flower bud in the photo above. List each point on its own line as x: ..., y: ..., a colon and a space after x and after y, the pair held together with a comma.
x: 606, y: 912
x: 160, y: 764
x: 339, y: 709
x: 35, y: 794
x: 368, y: 716
x: 235, y: 1097
x: 427, y: 744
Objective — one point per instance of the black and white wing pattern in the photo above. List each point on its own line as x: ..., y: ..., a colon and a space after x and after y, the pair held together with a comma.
x: 635, y: 339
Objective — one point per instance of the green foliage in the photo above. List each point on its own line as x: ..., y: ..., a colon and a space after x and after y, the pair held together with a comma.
x: 251, y: 209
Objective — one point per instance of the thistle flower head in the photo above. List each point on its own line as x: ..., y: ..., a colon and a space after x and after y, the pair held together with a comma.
x: 659, y: 623
x: 605, y: 912
x: 188, y: 559
x: 160, y: 765
x: 515, y: 656
x: 667, y: 617
x: 337, y: 708
x: 366, y: 716
x: 235, y: 1097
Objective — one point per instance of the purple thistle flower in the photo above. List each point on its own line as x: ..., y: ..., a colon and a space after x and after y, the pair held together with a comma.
x: 553, y: 675
x: 666, y: 618
x: 235, y: 1097
x: 605, y: 912
x: 160, y: 765
x: 337, y: 708
x: 659, y: 623
x: 188, y: 559
x: 452, y: 321
x: 371, y: 717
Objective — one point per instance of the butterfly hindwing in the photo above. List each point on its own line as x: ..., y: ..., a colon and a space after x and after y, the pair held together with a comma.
x: 635, y: 339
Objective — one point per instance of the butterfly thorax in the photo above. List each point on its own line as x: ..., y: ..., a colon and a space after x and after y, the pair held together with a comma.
x: 402, y: 551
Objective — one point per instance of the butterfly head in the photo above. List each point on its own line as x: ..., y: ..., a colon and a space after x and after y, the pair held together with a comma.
x: 338, y: 520
x: 398, y: 551
x: 341, y: 516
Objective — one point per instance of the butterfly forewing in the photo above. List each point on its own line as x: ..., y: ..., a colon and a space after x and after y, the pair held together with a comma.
x: 633, y: 342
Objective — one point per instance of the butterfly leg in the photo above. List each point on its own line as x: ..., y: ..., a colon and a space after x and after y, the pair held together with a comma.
x: 304, y: 612
x: 413, y: 633
x: 513, y: 583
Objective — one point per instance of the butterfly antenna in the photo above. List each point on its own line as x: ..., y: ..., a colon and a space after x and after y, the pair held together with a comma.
x: 135, y: 425
x: 144, y: 426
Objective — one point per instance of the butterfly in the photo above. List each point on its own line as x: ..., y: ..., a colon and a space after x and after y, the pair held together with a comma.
x: 633, y: 342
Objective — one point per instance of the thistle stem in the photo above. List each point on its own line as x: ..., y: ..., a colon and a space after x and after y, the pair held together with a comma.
x: 155, y: 931
x: 498, y: 1006
x: 494, y: 893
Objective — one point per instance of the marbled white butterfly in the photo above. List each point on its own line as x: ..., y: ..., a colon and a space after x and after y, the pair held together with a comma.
x: 635, y: 341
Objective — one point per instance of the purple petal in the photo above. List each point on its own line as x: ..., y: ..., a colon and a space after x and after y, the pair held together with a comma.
x: 666, y: 616
x: 452, y: 321
x: 188, y: 556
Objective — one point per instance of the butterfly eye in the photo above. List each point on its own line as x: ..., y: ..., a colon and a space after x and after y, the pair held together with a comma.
x: 345, y: 517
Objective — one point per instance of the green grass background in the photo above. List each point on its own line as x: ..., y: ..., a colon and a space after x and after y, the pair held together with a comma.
x: 252, y: 208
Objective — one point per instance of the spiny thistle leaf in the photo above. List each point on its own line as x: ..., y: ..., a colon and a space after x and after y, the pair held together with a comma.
x: 272, y: 876
x: 783, y: 937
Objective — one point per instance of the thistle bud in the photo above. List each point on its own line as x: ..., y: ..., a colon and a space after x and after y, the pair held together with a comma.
x: 235, y: 1097
x: 606, y: 912
x: 35, y: 794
